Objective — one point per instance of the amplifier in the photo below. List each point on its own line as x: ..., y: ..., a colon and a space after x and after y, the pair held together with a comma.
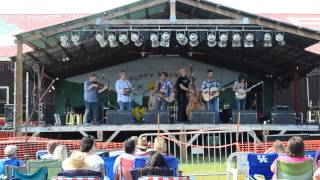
x: 246, y: 117
x: 202, y: 117
x: 283, y: 117
x: 119, y: 117
x: 151, y: 117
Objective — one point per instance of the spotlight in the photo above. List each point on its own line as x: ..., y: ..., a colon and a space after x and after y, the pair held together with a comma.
x: 65, y: 58
x: 100, y: 38
x: 165, y: 39
x: 280, y: 39
x: 75, y: 39
x: 193, y: 37
x: 113, y: 41
x: 267, y: 40
x: 123, y: 38
x: 248, y: 40
x: 181, y: 38
x: 154, y: 38
x: 64, y: 40
x: 211, y: 40
x: 223, y: 39
x: 136, y: 39
x: 236, y: 40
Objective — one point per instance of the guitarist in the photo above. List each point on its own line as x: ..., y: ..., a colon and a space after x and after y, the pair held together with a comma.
x: 213, y: 104
x: 240, y: 85
x: 123, y: 88
x: 163, y: 89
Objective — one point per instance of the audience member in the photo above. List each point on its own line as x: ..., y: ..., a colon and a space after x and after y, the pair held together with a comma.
x: 87, y: 146
x: 160, y: 145
x: 157, y: 160
x: 123, y: 163
x: 51, y: 146
x: 11, y: 159
x: 277, y: 147
x: 135, y: 138
x: 142, y: 147
x: 60, y: 153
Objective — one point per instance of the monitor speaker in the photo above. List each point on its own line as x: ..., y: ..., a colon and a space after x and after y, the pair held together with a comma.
x: 116, y: 117
x: 246, y: 117
x: 202, y: 117
x: 151, y: 117
x: 283, y: 117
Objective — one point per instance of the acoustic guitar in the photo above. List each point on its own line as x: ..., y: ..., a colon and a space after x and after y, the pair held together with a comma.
x: 162, y: 94
x: 209, y: 93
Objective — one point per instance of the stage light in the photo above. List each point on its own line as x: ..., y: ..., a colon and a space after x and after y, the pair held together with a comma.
x: 181, y: 38
x: 248, y: 40
x: 165, y: 39
x: 236, y: 40
x: 211, y: 38
x: 113, y: 41
x: 280, y: 39
x: 193, y: 37
x: 223, y: 39
x: 267, y: 40
x: 65, y: 58
x: 154, y: 38
x: 100, y: 38
x: 64, y: 40
x: 123, y: 38
x: 75, y: 39
x: 136, y: 39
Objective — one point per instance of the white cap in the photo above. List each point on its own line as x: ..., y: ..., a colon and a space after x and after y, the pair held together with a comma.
x: 10, y: 150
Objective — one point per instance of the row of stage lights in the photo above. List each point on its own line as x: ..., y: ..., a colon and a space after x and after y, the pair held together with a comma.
x: 163, y: 39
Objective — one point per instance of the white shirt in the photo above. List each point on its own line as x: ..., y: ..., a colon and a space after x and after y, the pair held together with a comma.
x: 116, y: 166
x: 47, y: 156
x: 94, y: 162
x: 120, y: 86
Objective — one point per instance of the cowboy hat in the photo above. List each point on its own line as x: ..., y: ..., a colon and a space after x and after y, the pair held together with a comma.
x: 142, y: 143
x: 76, y: 161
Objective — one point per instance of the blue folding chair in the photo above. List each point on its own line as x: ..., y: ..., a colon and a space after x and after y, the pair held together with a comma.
x: 260, y: 164
x: 139, y: 162
x: 310, y: 154
x: 171, y: 161
x: 9, y: 162
x: 41, y: 153
x: 109, y: 162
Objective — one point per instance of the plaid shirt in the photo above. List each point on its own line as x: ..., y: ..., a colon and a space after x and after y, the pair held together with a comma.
x: 164, y: 178
x: 76, y: 178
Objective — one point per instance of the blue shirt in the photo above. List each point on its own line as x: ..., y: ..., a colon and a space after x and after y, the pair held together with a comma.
x: 120, y: 86
x: 210, y: 84
x: 90, y: 95
x: 166, y: 86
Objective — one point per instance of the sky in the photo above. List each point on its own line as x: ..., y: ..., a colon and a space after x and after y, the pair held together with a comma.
x: 95, y: 6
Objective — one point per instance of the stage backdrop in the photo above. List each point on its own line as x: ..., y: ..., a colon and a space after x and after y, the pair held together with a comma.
x: 142, y: 73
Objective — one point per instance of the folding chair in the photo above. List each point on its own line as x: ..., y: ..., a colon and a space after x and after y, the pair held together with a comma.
x: 53, y: 166
x: 310, y: 154
x: 76, y: 178
x: 109, y: 162
x: 260, y: 165
x: 295, y: 171
x: 39, y: 174
x: 41, y: 153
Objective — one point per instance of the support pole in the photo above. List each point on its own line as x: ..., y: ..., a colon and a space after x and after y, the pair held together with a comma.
x: 27, y: 95
x: 173, y: 17
x: 19, y: 90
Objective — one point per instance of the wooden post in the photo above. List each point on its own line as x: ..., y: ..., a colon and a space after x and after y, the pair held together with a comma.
x: 19, y: 90
x: 183, y: 147
x: 173, y: 17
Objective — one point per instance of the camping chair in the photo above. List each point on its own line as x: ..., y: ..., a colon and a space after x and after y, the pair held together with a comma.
x: 171, y: 161
x: 41, y: 153
x: 295, y: 171
x: 310, y: 154
x: 76, y: 178
x: 260, y: 164
x: 109, y: 162
x: 39, y: 174
x: 164, y: 178
x: 137, y: 173
x: 9, y: 170
x: 53, y: 166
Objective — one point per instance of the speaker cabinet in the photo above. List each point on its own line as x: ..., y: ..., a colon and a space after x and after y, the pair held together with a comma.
x: 8, y: 112
x: 283, y: 117
x: 246, y: 117
x: 202, y: 117
x: 151, y: 117
x: 115, y: 117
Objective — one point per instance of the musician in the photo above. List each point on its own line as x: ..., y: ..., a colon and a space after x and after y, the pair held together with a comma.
x: 123, y: 88
x: 240, y: 85
x: 91, y: 90
x: 182, y: 87
x: 163, y: 89
x: 213, y: 104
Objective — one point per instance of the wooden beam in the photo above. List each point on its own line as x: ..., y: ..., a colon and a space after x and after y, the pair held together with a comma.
x: 33, y: 57
x: 168, y: 22
x: 19, y: 90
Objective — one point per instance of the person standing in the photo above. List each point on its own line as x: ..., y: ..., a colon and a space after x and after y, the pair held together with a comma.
x: 123, y: 88
x: 213, y: 104
x: 240, y: 86
x: 164, y: 90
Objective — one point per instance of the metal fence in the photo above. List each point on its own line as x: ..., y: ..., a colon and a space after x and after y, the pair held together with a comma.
x: 204, y: 152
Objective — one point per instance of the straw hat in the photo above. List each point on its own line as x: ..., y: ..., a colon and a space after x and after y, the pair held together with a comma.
x: 76, y: 161
x: 10, y: 150
x: 142, y: 143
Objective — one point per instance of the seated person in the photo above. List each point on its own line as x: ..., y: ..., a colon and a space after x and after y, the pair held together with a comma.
x: 11, y: 159
x: 160, y: 145
x: 124, y: 163
x: 277, y: 147
x: 60, y: 153
x: 51, y: 146
x: 87, y: 146
x: 76, y: 165
x: 142, y: 147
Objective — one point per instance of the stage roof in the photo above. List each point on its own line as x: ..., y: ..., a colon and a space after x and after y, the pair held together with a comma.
x: 260, y: 61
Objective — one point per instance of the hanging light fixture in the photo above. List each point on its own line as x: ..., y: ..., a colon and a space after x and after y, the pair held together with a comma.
x: 113, y: 41
x: 248, y: 40
x: 75, y: 38
x: 165, y: 39
x: 280, y: 39
x: 223, y: 39
x: 100, y: 38
x: 236, y: 40
x: 212, y: 39
x: 64, y: 40
x: 193, y: 37
x: 136, y: 39
x: 123, y: 38
x: 154, y: 38
x: 267, y: 40
x: 181, y: 38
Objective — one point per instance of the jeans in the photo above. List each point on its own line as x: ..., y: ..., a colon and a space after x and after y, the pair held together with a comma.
x: 241, y: 104
x: 213, y: 105
x: 161, y: 105
x: 182, y: 107
x: 125, y: 106
x: 92, y: 107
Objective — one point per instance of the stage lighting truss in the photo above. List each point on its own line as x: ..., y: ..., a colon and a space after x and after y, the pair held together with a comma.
x: 248, y: 40
x: 193, y: 39
x: 236, y: 39
x: 113, y: 41
x: 223, y: 38
x: 136, y: 39
x: 75, y: 38
x: 64, y: 40
x: 212, y: 39
x: 280, y: 39
x: 123, y: 38
x: 154, y: 38
x: 100, y: 38
x: 165, y: 39
x: 267, y: 39
x: 181, y: 38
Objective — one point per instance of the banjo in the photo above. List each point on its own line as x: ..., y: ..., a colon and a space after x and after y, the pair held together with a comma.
x: 242, y: 94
